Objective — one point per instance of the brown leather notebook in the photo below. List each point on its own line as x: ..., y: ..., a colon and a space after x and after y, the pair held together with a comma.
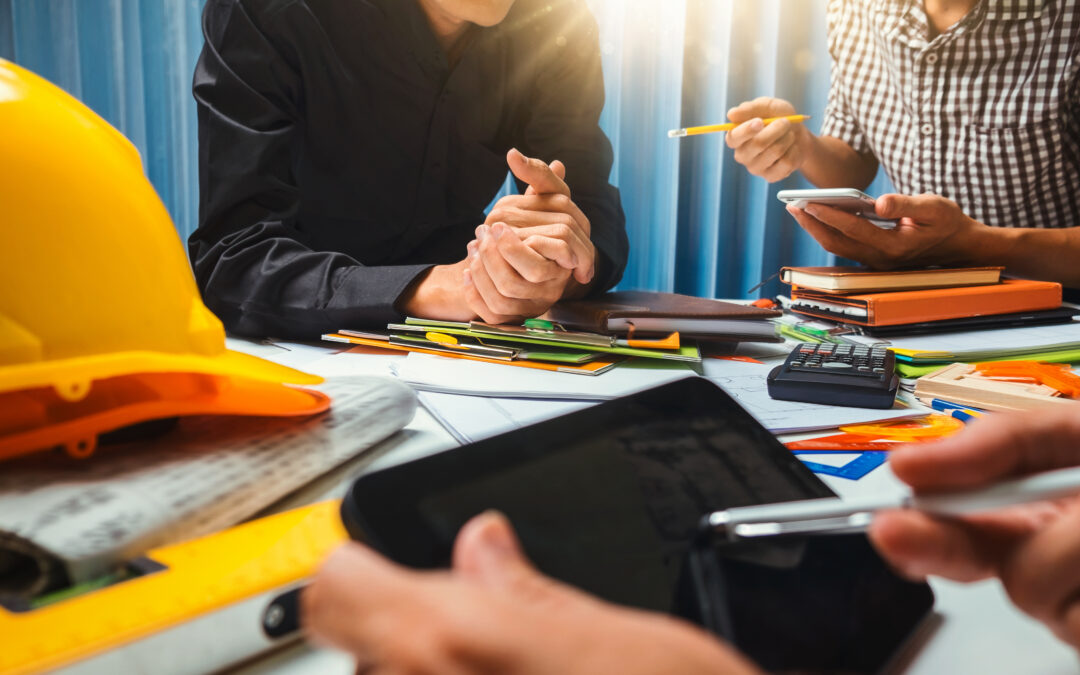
x: 653, y: 312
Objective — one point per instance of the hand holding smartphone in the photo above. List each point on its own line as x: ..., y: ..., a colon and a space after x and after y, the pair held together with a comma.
x: 850, y: 200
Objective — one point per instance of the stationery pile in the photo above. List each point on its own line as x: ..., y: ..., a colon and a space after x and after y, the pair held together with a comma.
x: 923, y: 301
x: 585, y: 337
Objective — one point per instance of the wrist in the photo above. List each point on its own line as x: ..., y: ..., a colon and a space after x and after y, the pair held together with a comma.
x: 988, y: 246
x: 439, y: 295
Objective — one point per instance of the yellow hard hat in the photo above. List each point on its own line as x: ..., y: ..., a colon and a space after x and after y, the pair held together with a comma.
x: 94, y: 282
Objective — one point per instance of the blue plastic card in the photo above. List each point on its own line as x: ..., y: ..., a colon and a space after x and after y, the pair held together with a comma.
x: 853, y: 470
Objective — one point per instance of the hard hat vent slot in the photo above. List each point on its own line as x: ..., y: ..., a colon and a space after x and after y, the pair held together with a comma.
x: 72, y: 390
x: 81, y: 448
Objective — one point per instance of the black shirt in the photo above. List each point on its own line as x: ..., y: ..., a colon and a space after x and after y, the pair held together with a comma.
x: 340, y: 156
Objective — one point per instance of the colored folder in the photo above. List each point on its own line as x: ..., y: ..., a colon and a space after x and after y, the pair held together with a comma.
x: 905, y: 307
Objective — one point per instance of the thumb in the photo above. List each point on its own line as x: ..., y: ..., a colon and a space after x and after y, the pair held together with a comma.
x: 559, y: 169
x: 487, y: 551
x: 540, y: 177
x: 920, y: 208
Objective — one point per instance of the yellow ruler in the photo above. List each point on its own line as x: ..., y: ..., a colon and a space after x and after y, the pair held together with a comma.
x: 196, y: 606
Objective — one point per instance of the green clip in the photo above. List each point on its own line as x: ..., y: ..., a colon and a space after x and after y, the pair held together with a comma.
x: 540, y: 324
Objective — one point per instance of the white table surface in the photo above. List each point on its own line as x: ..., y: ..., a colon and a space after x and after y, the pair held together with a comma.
x: 976, y: 630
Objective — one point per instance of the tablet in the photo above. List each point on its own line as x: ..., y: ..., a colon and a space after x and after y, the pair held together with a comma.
x: 609, y: 499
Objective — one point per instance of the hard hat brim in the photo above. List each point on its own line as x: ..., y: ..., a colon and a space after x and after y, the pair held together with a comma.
x: 40, y: 419
x: 73, y: 378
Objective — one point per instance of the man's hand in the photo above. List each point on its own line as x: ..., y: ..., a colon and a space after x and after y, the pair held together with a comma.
x: 546, y: 212
x: 1035, y: 549
x: 508, y: 280
x: 773, y: 151
x: 493, y: 613
x: 932, y: 231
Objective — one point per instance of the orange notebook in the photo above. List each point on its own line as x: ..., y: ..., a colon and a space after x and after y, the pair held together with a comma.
x: 938, y: 304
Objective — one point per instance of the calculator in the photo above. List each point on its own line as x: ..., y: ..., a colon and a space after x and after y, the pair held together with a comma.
x: 858, y: 376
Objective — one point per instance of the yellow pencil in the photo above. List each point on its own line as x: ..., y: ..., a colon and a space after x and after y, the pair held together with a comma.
x: 712, y: 128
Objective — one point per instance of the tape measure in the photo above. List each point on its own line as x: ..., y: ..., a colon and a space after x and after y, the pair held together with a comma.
x: 190, y: 607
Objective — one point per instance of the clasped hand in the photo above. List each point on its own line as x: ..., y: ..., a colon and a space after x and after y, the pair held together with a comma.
x: 532, y: 250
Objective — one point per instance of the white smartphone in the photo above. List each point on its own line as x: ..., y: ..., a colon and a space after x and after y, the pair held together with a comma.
x: 846, y: 199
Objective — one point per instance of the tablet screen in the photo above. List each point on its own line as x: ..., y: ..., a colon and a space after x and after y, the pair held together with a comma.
x: 607, y: 498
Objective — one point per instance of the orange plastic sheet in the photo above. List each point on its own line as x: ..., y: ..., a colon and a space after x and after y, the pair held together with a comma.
x: 41, y: 419
x: 885, y: 436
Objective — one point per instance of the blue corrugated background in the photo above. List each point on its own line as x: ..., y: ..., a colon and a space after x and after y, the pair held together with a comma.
x: 698, y: 223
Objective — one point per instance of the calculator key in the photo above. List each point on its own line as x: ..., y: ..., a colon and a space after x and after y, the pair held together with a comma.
x: 836, y: 365
x: 879, y: 370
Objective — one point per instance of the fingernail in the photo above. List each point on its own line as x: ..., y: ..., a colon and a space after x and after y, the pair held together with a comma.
x: 811, y: 209
x: 791, y: 209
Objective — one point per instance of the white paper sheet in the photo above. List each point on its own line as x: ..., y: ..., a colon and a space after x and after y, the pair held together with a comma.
x: 460, y: 376
x: 471, y: 418
x: 204, y: 475
x: 745, y: 382
x: 1065, y: 335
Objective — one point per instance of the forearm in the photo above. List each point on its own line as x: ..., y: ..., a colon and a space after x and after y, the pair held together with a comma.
x: 262, y: 283
x: 832, y: 163
x: 1051, y: 255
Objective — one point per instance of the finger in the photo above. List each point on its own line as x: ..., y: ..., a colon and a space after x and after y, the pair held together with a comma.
x: 853, y: 227
x: 783, y: 167
x: 920, y: 208
x: 528, y: 210
x: 833, y: 241
x: 476, y: 303
x: 919, y: 545
x: 487, y: 552
x: 334, y: 607
x: 771, y: 154
x: 559, y: 169
x: 486, y: 547
x: 527, y: 262
x: 773, y: 140
x: 743, y: 133
x: 583, y: 250
x: 555, y: 250
x: 480, y: 271
x: 991, y: 448
x: 762, y: 106
x: 508, y: 282
x: 1043, y: 577
x: 536, y: 173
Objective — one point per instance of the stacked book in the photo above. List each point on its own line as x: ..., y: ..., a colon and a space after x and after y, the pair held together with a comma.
x: 923, y: 301
x: 586, y: 337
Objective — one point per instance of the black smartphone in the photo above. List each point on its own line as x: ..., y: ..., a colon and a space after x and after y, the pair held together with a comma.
x: 609, y: 499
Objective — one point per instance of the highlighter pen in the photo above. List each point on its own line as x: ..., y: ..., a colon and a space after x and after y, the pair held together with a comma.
x: 832, y: 515
x: 728, y: 126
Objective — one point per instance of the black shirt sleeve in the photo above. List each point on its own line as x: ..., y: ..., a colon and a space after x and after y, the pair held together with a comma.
x: 249, y: 255
x: 564, y: 123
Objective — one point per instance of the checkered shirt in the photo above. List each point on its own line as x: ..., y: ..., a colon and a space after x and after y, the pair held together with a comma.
x: 986, y: 113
